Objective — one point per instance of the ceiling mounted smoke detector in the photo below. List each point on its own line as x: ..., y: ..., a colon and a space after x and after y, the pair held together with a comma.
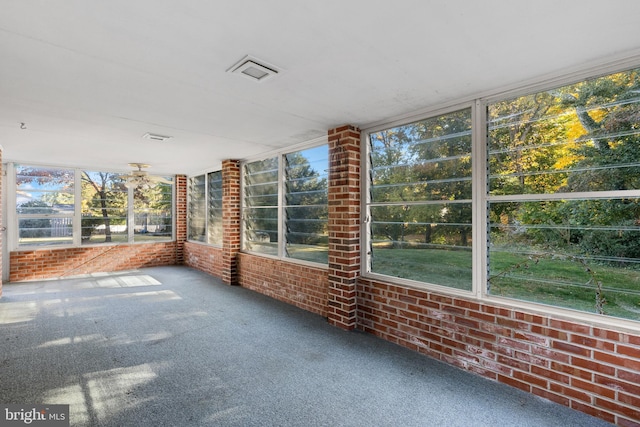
x: 253, y: 69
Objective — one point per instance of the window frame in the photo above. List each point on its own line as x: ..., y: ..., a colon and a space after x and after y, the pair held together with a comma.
x: 207, y: 208
x: 365, y: 255
x: 281, y: 206
x: 480, y: 194
x: 203, y: 213
x: 13, y: 217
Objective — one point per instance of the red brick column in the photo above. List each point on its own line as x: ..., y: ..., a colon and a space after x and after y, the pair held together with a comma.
x: 230, y: 220
x: 344, y: 225
x: 181, y: 217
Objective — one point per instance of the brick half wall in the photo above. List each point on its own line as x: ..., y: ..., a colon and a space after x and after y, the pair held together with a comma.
x: 296, y: 284
x: 204, y: 258
x: 588, y: 368
x: 55, y: 263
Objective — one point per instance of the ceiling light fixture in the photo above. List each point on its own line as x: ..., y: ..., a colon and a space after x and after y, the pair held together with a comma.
x: 141, y: 179
x: 156, y: 137
x: 254, y: 69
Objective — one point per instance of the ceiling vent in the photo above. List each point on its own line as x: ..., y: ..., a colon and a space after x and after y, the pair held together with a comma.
x: 156, y: 137
x: 253, y: 69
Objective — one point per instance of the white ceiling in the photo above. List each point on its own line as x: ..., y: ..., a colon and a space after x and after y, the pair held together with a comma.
x: 89, y: 78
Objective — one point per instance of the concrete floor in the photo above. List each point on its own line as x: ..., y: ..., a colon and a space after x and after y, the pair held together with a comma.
x: 171, y: 346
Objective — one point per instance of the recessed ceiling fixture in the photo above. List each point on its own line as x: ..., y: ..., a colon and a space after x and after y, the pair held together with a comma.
x: 254, y: 69
x: 156, y: 137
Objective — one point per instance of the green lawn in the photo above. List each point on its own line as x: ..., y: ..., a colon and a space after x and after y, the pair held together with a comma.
x: 447, y: 268
x: 559, y: 282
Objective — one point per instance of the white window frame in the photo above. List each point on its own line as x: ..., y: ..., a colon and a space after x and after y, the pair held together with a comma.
x: 12, y: 217
x: 480, y: 196
x: 281, y: 253
x: 365, y: 255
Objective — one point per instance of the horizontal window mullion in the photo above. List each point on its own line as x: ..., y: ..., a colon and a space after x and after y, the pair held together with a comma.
x: 591, y: 195
x: 563, y: 171
x: 419, y: 203
x: 430, y: 181
x: 422, y: 162
x: 446, y: 137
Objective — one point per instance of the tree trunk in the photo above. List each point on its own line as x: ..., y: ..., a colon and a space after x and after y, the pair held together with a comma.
x: 105, y: 216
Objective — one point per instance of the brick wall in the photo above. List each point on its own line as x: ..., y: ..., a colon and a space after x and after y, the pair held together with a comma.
x: 303, y: 286
x: 204, y: 258
x: 180, y: 210
x: 230, y: 220
x: 588, y: 368
x: 51, y: 263
x: 344, y: 225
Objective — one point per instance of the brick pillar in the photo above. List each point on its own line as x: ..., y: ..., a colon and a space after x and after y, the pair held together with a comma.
x: 230, y: 220
x: 344, y: 225
x: 181, y: 217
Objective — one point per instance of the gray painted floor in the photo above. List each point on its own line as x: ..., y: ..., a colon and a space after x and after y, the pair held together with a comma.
x: 171, y: 346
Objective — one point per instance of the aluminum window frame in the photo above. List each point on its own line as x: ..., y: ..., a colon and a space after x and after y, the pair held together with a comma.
x: 12, y: 217
x: 281, y: 221
x: 480, y: 195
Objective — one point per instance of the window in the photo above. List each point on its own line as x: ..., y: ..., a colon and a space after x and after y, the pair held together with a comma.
x: 49, y: 213
x: 44, y: 205
x: 104, y: 208
x: 205, y: 208
x: 260, y: 210
x: 306, y: 209
x: 419, y: 203
x: 564, y: 196
x: 214, y: 223
x: 197, y: 223
x: 152, y: 213
x: 285, y: 207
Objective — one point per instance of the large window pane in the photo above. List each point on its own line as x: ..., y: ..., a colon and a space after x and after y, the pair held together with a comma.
x: 582, y: 137
x: 306, y: 212
x: 44, y: 205
x: 196, y: 218
x: 152, y: 212
x: 43, y: 231
x: 260, y: 209
x: 420, y: 201
x: 104, y: 208
x: 214, y: 224
x: 582, y: 254
x: 564, y: 175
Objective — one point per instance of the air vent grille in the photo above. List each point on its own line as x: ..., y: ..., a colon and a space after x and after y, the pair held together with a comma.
x: 254, y: 69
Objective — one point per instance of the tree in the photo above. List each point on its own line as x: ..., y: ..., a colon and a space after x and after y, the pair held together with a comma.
x: 305, y: 200
x: 261, y: 200
x: 578, y: 138
x: 104, y: 201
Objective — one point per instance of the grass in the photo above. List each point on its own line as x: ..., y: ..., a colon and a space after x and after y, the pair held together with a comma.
x: 447, y: 268
x: 559, y: 282
x: 566, y: 282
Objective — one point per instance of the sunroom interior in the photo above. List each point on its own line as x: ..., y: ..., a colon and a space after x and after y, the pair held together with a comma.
x: 461, y: 179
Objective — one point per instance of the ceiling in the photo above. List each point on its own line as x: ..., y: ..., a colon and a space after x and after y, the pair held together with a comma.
x: 87, y: 79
